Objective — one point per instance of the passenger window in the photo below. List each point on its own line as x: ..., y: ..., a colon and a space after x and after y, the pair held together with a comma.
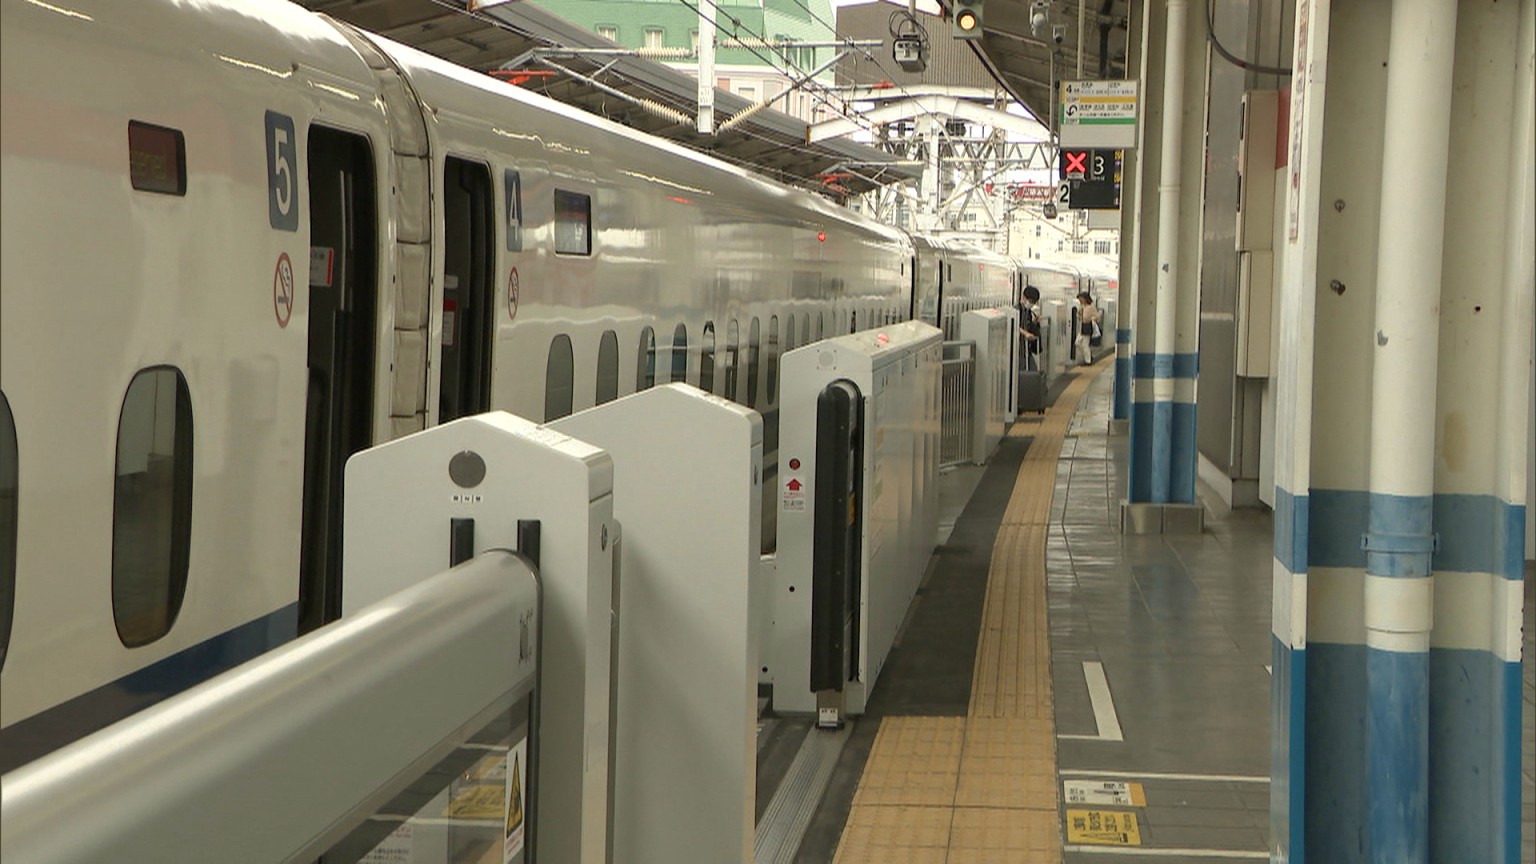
x: 805, y: 327
x: 157, y: 159
x: 513, y: 183
x: 608, y: 367
x: 789, y: 333
x: 853, y: 321
x: 10, y: 500
x: 680, y: 353
x: 771, y: 387
x: 732, y: 356
x: 821, y: 325
x: 707, y: 359
x: 752, y: 343
x: 573, y: 223
x: 559, y: 375
x: 645, y: 364
x: 152, y: 505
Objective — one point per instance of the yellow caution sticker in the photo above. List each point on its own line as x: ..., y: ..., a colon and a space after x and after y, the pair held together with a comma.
x: 1104, y: 827
x: 1114, y: 793
x: 477, y: 802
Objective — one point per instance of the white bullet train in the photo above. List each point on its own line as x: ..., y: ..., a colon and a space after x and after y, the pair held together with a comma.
x: 291, y: 240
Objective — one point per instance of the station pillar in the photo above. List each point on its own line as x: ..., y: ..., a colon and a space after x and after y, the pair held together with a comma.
x: 1164, y: 341
x: 1403, y: 376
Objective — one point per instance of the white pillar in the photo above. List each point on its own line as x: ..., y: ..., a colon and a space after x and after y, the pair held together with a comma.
x: 1399, y: 590
x: 1168, y: 189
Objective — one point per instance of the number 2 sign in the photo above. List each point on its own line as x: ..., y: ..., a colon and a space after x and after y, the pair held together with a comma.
x: 282, y: 179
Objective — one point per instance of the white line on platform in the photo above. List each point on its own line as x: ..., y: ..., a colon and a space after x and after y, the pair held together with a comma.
x: 1154, y: 775
x: 1089, y: 849
x: 1103, y: 706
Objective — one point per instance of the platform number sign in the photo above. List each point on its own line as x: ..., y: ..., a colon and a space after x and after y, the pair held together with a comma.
x: 282, y: 173
x: 1091, y: 178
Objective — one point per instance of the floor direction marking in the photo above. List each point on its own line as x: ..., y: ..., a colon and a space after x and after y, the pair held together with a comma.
x: 1103, y: 706
x: 1150, y: 851
x: 1155, y: 775
x: 1103, y: 827
x: 1114, y: 793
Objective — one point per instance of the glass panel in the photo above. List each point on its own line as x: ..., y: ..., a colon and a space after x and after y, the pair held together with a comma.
x: 645, y: 364
x: 771, y: 387
x: 789, y: 333
x: 707, y: 358
x: 151, y: 505
x: 10, y: 474
x: 559, y: 385
x: 680, y: 353
x: 471, y: 807
x: 573, y: 223
x: 608, y: 367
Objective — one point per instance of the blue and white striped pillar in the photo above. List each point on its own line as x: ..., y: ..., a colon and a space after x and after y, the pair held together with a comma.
x: 1163, y: 447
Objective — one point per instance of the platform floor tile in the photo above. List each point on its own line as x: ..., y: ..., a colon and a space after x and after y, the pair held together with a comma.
x: 914, y: 761
x: 896, y: 835
x: 989, y: 835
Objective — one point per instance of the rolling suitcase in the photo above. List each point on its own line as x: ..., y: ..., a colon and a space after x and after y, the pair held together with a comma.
x: 1031, y: 391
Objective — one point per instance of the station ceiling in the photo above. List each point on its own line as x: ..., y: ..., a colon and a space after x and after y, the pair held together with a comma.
x: 769, y: 142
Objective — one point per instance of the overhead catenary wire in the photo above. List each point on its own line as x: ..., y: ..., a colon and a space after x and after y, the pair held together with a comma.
x: 665, y: 103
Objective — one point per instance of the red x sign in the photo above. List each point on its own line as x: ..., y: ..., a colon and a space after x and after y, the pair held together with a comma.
x: 1077, y: 161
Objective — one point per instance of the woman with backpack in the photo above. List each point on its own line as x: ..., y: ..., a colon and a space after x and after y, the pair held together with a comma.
x: 1087, y: 327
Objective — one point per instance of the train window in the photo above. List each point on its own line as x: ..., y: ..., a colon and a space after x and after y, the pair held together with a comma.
x: 10, y: 474
x: 732, y: 349
x: 789, y: 333
x: 559, y: 379
x: 152, y: 505
x: 805, y: 326
x: 157, y: 159
x: 645, y: 363
x: 853, y: 321
x: 771, y: 388
x: 469, y: 289
x: 707, y: 358
x: 753, y: 336
x: 513, y: 182
x: 608, y: 367
x: 821, y: 325
x: 680, y: 353
x: 573, y: 223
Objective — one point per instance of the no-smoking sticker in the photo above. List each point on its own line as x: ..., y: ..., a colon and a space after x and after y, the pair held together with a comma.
x: 282, y: 290
x: 512, y: 289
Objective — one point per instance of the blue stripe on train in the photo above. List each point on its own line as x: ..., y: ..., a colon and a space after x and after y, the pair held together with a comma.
x: 63, y: 724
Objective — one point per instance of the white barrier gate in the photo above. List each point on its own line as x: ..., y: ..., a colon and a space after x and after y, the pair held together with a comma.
x: 687, y: 489
x: 994, y: 333
x: 435, y: 498
x: 880, y: 511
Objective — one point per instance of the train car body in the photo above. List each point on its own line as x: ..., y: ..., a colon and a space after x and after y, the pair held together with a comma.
x: 243, y: 241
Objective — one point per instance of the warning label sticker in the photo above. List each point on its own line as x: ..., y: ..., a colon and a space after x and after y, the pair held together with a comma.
x: 516, y: 803
x: 1115, y: 793
x: 794, y: 494
x: 1104, y: 827
x: 476, y: 802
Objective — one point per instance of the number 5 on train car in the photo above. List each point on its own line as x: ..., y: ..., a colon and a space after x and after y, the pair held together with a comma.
x: 282, y: 185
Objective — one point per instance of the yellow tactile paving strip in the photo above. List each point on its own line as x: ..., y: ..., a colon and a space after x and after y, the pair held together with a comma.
x: 981, y: 789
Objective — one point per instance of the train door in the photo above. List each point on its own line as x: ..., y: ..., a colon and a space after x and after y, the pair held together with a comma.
x: 343, y: 311
x: 938, y: 307
x: 914, y: 311
x: 469, y: 315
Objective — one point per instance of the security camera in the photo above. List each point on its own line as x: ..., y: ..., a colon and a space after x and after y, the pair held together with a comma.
x: 1059, y: 33
x: 1037, y: 22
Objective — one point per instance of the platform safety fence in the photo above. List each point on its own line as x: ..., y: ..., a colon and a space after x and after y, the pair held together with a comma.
x: 958, y: 391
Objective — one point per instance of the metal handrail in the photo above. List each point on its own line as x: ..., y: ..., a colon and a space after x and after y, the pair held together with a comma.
x: 957, y: 389
x: 281, y: 757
